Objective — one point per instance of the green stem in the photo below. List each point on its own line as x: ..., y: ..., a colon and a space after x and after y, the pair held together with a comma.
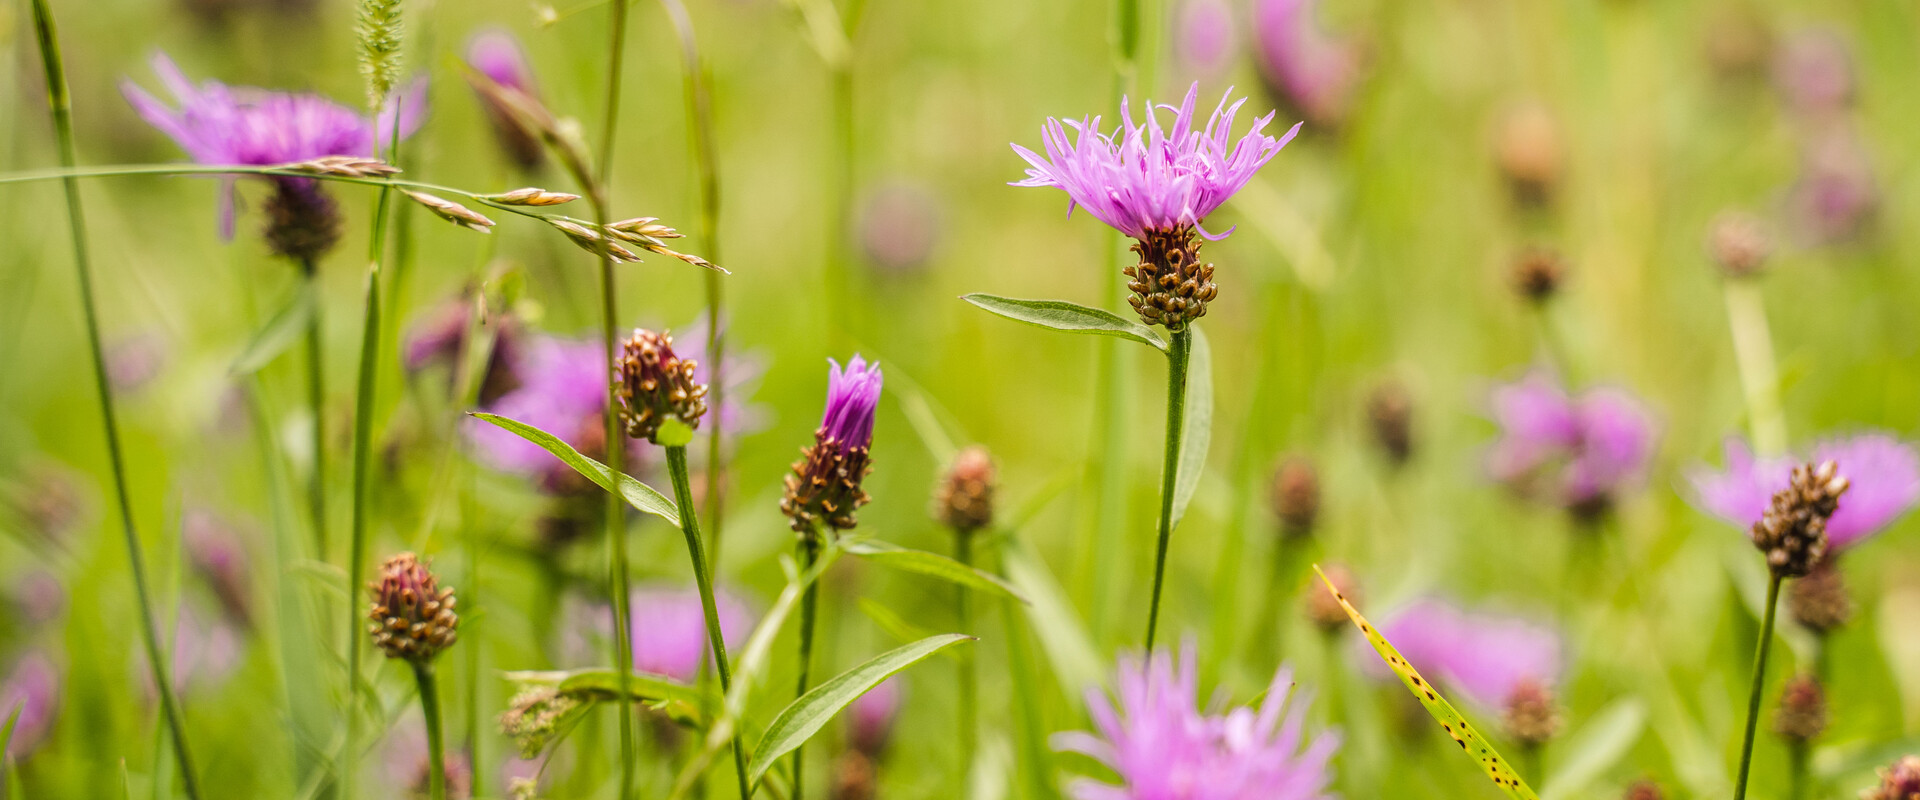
x: 809, y: 605
x: 1759, y: 681
x: 436, y: 743
x: 316, y: 404
x: 1180, y: 349
x: 1753, y: 352
x: 969, y: 672
x: 703, y: 578
x: 1797, y: 771
x: 61, y: 105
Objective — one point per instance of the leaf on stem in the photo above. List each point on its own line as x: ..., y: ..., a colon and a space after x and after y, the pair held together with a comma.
x: 678, y: 700
x: 1457, y: 727
x: 278, y: 334
x: 637, y: 494
x: 1196, y: 429
x: 1061, y: 315
x: 932, y: 565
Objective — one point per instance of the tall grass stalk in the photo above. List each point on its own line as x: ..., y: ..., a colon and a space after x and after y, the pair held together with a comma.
x: 316, y: 404
x: 1759, y: 378
x: 1179, y: 349
x: 59, y: 101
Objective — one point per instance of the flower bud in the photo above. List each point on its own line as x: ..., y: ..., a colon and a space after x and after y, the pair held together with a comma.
x: 1644, y: 790
x: 504, y: 81
x: 1802, y: 715
x: 535, y: 716
x: 964, y: 500
x: 825, y: 485
x: 1739, y: 244
x: 1170, y: 285
x: 1322, y: 608
x: 656, y: 385
x: 1819, y: 601
x: 1296, y: 496
x: 1530, y: 716
x: 1901, y: 781
x: 853, y: 777
x: 413, y: 617
x: 1390, y: 417
x: 1793, y: 533
x: 1529, y: 152
x: 303, y: 221
x: 1537, y: 274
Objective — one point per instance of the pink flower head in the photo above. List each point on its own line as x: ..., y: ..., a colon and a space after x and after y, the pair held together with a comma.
x: 1143, y: 177
x: 1314, y: 72
x: 1884, y: 473
x: 497, y: 55
x: 1163, y: 747
x: 1584, y: 449
x: 670, y: 628
x: 853, y: 394
x: 505, y: 82
x: 1836, y: 196
x: 1814, y: 73
x: 1205, y: 37
x: 1487, y: 657
x: 870, y: 718
x: 219, y: 125
x: 34, y: 688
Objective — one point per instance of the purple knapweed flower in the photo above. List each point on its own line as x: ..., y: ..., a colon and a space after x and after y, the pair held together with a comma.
x: 1204, y: 38
x: 1836, y: 196
x: 1578, y: 450
x: 441, y: 339
x: 33, y: 687
x: 563, y: 391
x: 221, y: 125
x: 1311, y: 71
x: 825, y: 485
x: 870, y: 718
x: 217, y: 555
x: 1489, y: 658
x: 1813, y: 70
x: 1163, y: 747
x: 1883, y: 471
x: 504, y: 78
x: 670, y: 628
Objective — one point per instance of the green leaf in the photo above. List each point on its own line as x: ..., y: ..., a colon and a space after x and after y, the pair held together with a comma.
x: 1196, y: 429
x: 800, y: 720
x: 1061, y: 315
x: 891, y: 622
x: 676, y: 699
x: 932, y: 565
x: 1457, y: 727
x: 1597, y: 746
x: 280, y: 332
x: 6, y: 733
x: 637, y: 494
x: 1077, y: 663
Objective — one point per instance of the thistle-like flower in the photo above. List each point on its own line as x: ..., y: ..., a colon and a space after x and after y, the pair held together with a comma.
x: 1901, y: 781
x: 412, y: 617
x: 1576, y: 451
x: 1323, y: 609
x: 1739, y: 244
x: 441, y: 338
x: 825, y: 485
x: 655, y: 386
x: 1538, y: 273
x: 1528, y: 150
x: 1158, y: 186
x: 221, y: 125
x: 1163, y: 747
x: 503, y: 79
x: 964, y: 499
x: 1883, y: 471
x: 1793, y: 532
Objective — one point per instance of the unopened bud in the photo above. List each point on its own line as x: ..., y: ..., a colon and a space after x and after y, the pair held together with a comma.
x: 1537, y: 274
x: 452, y: 212
x: 1793, y: 533
x: 1530, y: 716
x: 964, y: 500
x: 1739, y: 244
x: 1802, y: 715
x: 1529, y: 152
x: 656, y: 385
x: 413, y: 618
x: 853, y: 777
x: 1901, y: 781
x: 1296, y: 496
x: 1820, y: 601
x: 1644, y: 790
x: 1390, y: 417
x: 1322, y: 608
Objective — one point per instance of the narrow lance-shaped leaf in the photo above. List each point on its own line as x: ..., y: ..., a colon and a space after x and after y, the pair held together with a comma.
x: 800, y: 720
x: 676, y: 699
x: 637, y: 494
x: 1595, y: 748
x: 932, y: 565
x: 280, y: 331
x: 1457, y: 727
x: 1061, y: 315
x: 1196, y: 429
x: 6, y: 733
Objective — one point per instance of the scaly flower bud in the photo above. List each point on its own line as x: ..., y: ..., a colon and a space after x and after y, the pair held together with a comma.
x: 1530, y: 716
x: 853, y: 777
x: 825, y: 484
x: 1170, y: 285
x: 1819, y: 601
x: 1323, y: 609
x: 1296, y: 496
x: 656, y: 385
x: 1793, y: 534
x: 504, y: 81
x: 413, y: 617
x: 1802, y: 715
x: 1528, y: 149
x: 964, y: 500
x: 1390, y: 418
x: 1537, y: 274
x: 303, y: 222
x: 1739, y: 243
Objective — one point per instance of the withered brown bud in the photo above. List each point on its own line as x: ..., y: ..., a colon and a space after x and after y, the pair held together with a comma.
x: 1802, y: 715
x: 964, y: 499
x: 1537, y: 274
x: 1390, y: 417
x: 1739, y: 244
x: 656, y: 385
x: 1530, y: 716
x: 825, y: 485
x: 1901, y: 781
x: 853, y: 777
x: 1296, y: 496
x: 303, y: 221
x: 1793, y: 533
x: 1644, y: 790
x: 1819, y: 601
x: 412, y: 616
x: 1529, y: 152
x: 1322, y: 609
x: 1170, y: 285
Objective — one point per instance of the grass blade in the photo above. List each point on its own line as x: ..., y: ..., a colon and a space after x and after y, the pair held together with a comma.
x: 637, y: 494
x: 932, y: 565
x: 1061, y: 315
x: 278, y: 334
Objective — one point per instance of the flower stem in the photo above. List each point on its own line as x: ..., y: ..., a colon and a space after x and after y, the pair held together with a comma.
x: 316, y: 404
x: 436, y: 742
x: 1753, y: 352
x: 60, y: 103
x: 1180, y: 349
x: 809, y: 605
x: 703, y: 578
x: 1797, y: 771
x: 1759, y: 681
x: 969, y: 672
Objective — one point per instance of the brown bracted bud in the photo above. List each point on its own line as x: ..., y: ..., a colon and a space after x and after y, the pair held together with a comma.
x: 825, y: 485
x: 1528, y: 149
x: 1644, y: 790
x: 303, y: 221
x: 1901, y: 781
x: 1793, y: 533
x: 452, y: 212
x: 412, y: 616
x: 1738, y: 243
x: 1530, y: 716
x: 853, y: 777
x: 1296, y: 496
x: 964, y: 500
x: 656, y: 385
x: 1802, y: 715
x: 1170, y: 285
x: 1322, y: 608
x: 1537, y: 274
x: 1819, y: 601
x: 1390, y: 417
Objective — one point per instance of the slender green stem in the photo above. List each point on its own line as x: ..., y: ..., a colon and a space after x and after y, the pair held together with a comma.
x: 1759, y: 681
x: 1753, y: 352
x: 809, y: 606
x: 969, y: 672
x: 703, y: 578
x: 1178, y: 352
x: 1798, y: 776
x: 60, y: 103
x: 436, y: 742
x: 316, y: 405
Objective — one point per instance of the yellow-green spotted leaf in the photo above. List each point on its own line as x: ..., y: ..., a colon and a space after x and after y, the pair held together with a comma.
x: 1457, y: 727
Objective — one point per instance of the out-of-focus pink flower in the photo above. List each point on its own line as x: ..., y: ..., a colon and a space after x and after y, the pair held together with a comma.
x: 1581, y: 451
x: 135, y: 360
x: 900, y: 226
x: 38, y: 598
x: 206, y: 651
x: 1814, y: 72
x: 870, y: 718
x: 1836, y: 197
x: 34, y: 688
x: 1489, y: 658
x: 408, y: 770
x: 1205, y: 40
x: 1153, y: 734
x: 563, y: 391
x: 1883, y: 471
x: 670, y: 628
x: 441, y: 338
x: 1314, y: 72
x: 505, y: 79
x: 215, y: 551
